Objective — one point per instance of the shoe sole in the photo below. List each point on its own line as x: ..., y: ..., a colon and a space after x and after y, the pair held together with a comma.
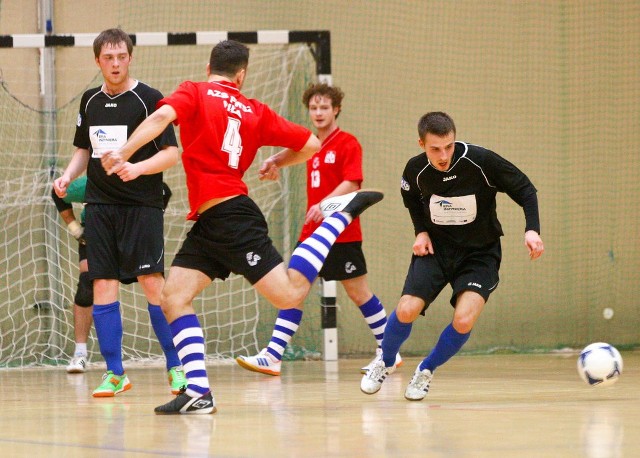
x: 372, y: 392
x: 253, y: 368
x: 411, y: 399
x: 110, y: 394
x: 195, y: 412
x: 76, y: 371
x: 374, y: 196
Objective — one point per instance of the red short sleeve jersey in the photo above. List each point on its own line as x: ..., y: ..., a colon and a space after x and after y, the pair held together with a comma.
x: 339, y: 159
x: 221, y: 131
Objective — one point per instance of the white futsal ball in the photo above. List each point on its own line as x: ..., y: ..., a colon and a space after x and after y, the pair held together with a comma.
x: 600, y: 364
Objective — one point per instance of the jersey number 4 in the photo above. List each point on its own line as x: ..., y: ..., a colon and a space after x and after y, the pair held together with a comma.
x: 232, y: 142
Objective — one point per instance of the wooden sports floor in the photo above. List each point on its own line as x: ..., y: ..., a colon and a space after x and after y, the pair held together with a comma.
x: 478, y: 406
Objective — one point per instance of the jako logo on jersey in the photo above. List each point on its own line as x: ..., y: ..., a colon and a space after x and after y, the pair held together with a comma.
x: 330, y: 157
x: 477, y: 285
x: 252, y: 258
x: 110, y: 105
x: 453, y: 177
x: 144, y: 266
x: 404, y: 185
x: 79, y: 120
x: 316, y: 162
x: 349, y: 267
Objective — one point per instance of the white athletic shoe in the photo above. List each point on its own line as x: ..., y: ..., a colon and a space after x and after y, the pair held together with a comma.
x: 372, y: 380
x: 77, y: 365
x: 398, y: 363
x: 419, y: 385
x: 263, y: 362
x: 353, y: 203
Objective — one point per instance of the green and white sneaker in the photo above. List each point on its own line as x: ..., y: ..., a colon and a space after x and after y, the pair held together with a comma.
x: 111, y: 385
x: 177, y: 380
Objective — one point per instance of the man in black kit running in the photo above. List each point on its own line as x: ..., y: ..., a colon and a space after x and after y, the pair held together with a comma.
x: 450, y: 193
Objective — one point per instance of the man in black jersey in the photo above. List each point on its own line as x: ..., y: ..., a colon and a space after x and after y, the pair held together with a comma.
x: 124, y: 220
x: 450, y: 193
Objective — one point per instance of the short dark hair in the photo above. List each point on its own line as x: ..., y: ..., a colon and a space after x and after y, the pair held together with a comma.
x: 436, y: 123
x: 112, y: 37
x: 323, y: 89
x: 228, y: 57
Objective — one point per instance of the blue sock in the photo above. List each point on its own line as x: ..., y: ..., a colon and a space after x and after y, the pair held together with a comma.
x: 286, y: 326
x: 189, y: 341
x: 394, y: 336
x: 375, y: 316
x: 108, y: 323
x: 309, y: 256
x: 163, y: 333
x: 449, y: 343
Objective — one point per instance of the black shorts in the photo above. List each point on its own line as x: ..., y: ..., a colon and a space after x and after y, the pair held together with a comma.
x: 344, y: 261
x: 465, y: 269
x: 231, y: 237
x: 124, y: 241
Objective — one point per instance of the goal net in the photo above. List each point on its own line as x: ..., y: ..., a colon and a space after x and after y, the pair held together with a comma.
x: 39, y: 259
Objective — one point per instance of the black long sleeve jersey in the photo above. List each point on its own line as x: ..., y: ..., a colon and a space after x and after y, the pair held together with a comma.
x: 459, y: 206
x: 105, y: 123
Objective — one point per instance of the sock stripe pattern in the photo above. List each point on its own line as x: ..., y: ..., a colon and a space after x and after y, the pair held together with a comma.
x: 375, y: 316
x: 189, y: 342
x: 310, y: 255
x: 286, y: 326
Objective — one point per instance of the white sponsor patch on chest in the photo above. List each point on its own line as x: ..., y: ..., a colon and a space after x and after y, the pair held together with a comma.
x: 106, y: 138
x: 453, y: 211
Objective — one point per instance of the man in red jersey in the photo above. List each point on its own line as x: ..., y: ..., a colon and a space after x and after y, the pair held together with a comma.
x: 335, y: 170
x: 221, y: 131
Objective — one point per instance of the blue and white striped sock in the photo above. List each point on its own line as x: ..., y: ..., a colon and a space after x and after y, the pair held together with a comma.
x: 309, y: 256
x: 189, y: 341
x: 376, y: 317
x: 286, y: 326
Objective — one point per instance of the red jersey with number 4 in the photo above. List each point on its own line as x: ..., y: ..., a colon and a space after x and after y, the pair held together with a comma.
x: 221, y: 131
x: 339, y: 159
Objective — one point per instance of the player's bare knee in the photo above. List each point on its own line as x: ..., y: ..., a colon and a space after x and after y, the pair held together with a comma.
x: 291, y: 299
x: 409, y: 308
x: 463, y: 324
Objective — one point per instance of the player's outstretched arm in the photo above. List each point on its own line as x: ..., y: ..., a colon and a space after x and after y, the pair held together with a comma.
x: 159, y: 162
x: 269, y: 170
x: 534, y: 244
x: 149, y: 129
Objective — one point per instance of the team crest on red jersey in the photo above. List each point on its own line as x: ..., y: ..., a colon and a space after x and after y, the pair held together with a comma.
x: 330, y: 157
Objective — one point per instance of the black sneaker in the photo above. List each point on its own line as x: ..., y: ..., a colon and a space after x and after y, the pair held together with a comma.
x: 353, y: 203
x: 185, y: 404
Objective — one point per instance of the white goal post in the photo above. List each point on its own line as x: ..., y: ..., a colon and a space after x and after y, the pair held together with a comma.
x: 39, y: 258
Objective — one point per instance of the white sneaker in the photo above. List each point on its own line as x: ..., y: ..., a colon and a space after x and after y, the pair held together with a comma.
x: 398, y: 363
x: 372, y: 380
x: 419, y: 385
x: 263, y: 362
x: 77, y: 365
x: 353, y: 203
